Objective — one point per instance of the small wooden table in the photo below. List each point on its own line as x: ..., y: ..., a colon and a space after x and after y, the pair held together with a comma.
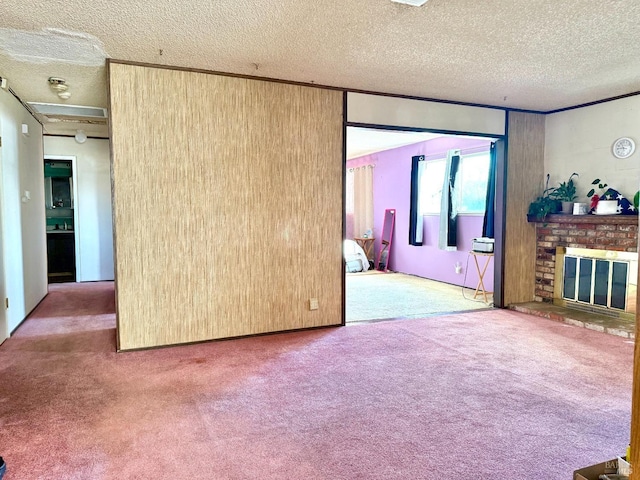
x: 366, y: 243
x: 480, y: 289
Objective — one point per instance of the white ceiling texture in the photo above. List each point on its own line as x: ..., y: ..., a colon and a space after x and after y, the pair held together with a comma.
x: 528, y: 54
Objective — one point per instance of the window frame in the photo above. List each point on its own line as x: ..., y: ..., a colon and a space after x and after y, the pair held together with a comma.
x: 430, y: 212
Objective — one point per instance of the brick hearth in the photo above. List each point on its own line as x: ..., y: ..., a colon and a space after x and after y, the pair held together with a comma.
x: 603, y: 232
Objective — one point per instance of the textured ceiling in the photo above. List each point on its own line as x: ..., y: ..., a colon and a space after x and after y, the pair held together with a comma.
x: 365, y: 141
x: 529, y: 54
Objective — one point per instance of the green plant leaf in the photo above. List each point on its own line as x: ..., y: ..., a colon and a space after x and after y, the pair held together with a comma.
x: 636, y: 200
x: 596, y: 181
x: 591, y: 192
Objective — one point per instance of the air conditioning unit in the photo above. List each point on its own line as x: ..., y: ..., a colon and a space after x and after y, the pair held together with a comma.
x: 483, y: 245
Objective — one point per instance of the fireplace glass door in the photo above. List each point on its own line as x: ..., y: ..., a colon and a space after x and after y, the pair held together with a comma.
x: 595, y: 281
x: 619, y: 285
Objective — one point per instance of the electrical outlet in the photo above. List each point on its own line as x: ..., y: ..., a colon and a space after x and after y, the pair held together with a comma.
x: 313, y: 304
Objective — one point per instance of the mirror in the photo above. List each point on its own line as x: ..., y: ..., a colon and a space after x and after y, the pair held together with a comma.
x: 385, y: 242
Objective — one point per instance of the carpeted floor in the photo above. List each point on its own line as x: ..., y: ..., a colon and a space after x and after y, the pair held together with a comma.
x: 375, y: 295
x: 481, y: 395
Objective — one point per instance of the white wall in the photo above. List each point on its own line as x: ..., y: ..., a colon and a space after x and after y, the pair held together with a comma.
x: 580, y: 141
x: 94, y: 231
x: 405, y: 112
x: 4, y: 323
x: 23, y: 234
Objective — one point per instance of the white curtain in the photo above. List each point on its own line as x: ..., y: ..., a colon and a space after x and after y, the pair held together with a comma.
x: 359, y: 201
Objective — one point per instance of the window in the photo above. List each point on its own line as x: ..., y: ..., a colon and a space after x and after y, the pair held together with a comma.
x: 473, y: 175
x: 431, y: 186
x: 472, y: 178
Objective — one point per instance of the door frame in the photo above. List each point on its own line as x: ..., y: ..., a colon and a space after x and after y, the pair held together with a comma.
x: 500, y: 206
x: 76, y: 224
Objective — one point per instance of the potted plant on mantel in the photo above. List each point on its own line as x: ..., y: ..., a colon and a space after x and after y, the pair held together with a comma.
x: 567, y: 194
x: 545, y: 204
x: 599, y: 197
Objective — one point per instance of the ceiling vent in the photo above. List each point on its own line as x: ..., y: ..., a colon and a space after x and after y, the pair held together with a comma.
x: 55, y: 112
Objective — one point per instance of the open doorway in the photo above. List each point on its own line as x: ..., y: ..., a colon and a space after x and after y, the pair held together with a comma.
x: 422, y: 278
x: 61, y: 221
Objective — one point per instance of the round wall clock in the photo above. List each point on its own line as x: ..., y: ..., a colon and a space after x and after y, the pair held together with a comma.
x: 623, y: 147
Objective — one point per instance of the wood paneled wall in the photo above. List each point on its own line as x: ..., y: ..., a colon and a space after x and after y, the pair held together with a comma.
x: 525, y: 174
x: 227, y: 204
x: 635, y: 395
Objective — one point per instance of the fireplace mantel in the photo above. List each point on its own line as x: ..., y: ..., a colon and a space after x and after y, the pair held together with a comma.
x: 604, y: 232
x: 582, y: 219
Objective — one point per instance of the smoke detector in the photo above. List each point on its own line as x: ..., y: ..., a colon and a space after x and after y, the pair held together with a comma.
x: 413, y: 3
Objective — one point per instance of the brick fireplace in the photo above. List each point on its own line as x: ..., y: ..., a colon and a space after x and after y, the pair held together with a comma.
x: 617, y: 233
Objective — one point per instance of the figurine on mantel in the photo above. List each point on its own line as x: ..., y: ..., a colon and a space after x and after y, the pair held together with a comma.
x: 610, y: 202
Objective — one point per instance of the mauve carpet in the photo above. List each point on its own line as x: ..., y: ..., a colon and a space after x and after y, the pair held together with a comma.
x: 481, y: 395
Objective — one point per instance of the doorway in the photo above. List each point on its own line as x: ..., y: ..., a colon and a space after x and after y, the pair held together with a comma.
x: 61, y: 218
x: 423, y: 279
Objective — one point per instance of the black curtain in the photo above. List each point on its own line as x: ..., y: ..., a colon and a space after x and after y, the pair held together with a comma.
x: 415, y: 218
x: 448, y: 239
x: 490, y: 205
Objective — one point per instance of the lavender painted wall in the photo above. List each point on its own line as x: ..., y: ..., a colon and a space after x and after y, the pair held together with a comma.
x: 391, y: 187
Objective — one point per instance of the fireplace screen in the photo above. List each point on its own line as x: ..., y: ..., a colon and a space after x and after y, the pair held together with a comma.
x: 596, y: 281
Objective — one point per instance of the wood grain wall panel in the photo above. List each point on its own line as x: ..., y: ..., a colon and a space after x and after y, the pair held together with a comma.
x: 635, y: 396
x: 525, y: 173
x: 227, y: 198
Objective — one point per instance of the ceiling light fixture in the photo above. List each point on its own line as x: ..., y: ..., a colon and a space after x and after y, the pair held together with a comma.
x: 81, y: 137
x: 413, y: 3
x: 59, y: 86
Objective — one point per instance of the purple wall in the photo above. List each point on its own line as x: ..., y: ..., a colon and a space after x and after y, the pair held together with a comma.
x: 391, y: 189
